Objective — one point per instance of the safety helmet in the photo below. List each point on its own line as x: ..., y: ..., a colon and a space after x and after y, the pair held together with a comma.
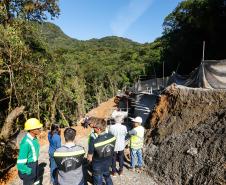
x: 138, y: 119
x: 32, y: 124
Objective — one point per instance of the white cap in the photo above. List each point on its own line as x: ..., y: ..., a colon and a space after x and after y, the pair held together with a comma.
x: 137, y: 119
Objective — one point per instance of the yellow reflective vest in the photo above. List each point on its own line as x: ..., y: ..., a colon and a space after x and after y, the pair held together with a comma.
x: 136, y: 141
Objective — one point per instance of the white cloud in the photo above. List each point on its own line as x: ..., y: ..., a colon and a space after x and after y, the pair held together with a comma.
x: 128, y: 15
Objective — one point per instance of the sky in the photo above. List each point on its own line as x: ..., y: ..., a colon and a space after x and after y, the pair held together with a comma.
x: 138, y: 20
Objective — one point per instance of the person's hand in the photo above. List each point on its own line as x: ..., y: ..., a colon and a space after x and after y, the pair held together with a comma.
x: 89, y: 158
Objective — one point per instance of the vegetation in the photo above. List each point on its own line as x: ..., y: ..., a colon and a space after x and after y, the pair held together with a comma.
x: 185, y: 29
x: 27, y: 10
x: 58, y: 78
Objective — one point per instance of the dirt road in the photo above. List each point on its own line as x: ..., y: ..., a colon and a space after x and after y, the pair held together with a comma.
x: 129, y: 177
x: 103, y: 110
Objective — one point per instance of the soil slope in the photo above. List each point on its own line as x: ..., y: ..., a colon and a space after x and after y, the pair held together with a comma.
x: 186, y: 139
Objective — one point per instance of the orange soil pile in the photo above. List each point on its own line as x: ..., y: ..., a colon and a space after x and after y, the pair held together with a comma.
x: 104, y: 110
x: 160, y: 111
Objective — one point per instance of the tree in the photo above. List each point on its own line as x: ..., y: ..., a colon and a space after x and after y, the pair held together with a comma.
x: 185, y: 29
x: 27, y: 9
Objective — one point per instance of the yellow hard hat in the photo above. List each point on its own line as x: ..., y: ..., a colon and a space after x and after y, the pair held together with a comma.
x: 32, y: 124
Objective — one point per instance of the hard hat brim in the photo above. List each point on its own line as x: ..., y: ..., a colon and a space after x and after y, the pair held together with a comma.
x: 37, y: 127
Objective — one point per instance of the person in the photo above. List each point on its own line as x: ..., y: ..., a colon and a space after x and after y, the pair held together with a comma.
x: 27, y: 162
x: 120, y: 132
x: 136, y: 143
x: 69, y: 159
x: 100, y: 153
x: 86, y: 121
x: 92, y: 134
x: 54, y: 143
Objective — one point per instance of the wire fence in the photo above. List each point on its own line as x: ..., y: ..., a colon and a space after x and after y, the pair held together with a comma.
x: 148, y: 85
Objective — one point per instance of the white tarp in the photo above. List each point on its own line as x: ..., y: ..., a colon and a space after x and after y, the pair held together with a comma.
x: 210, y: 74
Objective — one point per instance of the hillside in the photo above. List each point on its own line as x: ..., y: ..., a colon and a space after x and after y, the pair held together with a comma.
x: 56, y: 39
x: 186, y: 140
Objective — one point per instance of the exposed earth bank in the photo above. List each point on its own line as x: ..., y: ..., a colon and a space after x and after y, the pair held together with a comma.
x: 186, y: 137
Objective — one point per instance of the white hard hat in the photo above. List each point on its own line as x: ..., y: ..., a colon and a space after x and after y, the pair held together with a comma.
x: 137, y: 119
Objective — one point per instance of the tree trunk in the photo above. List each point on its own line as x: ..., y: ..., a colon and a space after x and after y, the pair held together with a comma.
x: 53, y: 109
x: 62, y: 115
x: 9, y: 122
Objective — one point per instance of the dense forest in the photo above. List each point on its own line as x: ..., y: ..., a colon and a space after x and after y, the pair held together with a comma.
x: 46, y: 74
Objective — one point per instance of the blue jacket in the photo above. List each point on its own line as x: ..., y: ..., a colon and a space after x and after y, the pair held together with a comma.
x: 54, y: 142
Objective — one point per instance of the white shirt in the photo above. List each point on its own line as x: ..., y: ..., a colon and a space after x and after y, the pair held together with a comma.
x: 120, y: 132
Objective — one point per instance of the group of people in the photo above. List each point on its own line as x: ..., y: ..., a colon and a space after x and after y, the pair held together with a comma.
x: 66, y: 161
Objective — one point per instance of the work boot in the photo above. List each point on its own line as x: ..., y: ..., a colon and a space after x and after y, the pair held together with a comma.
x: 113, y: 174
x: 120, y: 172
x: 139, y: 170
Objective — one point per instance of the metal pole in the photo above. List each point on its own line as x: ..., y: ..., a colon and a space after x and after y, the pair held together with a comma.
x: 127, y: 109
x: 203, y: 51
x: 163, y: 74
x: 155, y: 77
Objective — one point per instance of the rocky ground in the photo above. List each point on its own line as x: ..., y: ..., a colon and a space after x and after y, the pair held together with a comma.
x: 128, y: 177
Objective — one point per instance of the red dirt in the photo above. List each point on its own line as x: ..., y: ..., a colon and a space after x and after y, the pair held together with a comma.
x: 160, y: 111
x: 104, y: 110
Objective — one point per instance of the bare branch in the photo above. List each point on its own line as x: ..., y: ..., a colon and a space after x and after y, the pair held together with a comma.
x: 8, y: 125
x: 3, y: 71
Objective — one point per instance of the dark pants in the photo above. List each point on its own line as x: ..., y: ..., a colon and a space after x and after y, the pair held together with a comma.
x: 100, y: 171
x: 120, y: 156
x: 32, y: 178
x: 53, y: 170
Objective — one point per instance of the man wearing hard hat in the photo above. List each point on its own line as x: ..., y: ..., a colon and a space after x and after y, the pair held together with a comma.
x: 136, y: 143
x: 27, y: 162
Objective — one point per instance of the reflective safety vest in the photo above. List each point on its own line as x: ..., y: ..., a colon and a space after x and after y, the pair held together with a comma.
x: 104, y: 146
x: 69, y: 158
x: 29, y: 153
x: 92, y: 135
x: 136, y: 141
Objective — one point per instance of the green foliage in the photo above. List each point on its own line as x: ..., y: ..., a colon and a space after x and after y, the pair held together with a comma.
x: 105, y: 64
x: 58, y: 78
x: 27, y: 9
x: 185, y: 29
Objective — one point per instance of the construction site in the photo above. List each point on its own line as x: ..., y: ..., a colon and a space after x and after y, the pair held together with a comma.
x: 185, y: 120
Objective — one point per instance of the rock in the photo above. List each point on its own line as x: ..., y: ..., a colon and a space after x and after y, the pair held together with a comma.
x: 192, y: 151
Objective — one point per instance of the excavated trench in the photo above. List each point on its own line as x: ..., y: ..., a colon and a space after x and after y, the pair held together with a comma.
x: 186, y: 137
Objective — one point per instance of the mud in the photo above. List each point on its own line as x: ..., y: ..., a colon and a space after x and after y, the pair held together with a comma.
x: 186, y: 139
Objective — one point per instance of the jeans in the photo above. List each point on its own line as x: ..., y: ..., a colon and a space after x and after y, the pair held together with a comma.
x: 53, y: 169
x: 100, y: 170
x: 136, y: 153
x: 120, y: 156
x: 82, y: 182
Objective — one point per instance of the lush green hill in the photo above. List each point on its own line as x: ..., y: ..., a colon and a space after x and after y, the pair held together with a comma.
x: 56, y: 39
x: 58, y: 78
x: 105, y: 64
